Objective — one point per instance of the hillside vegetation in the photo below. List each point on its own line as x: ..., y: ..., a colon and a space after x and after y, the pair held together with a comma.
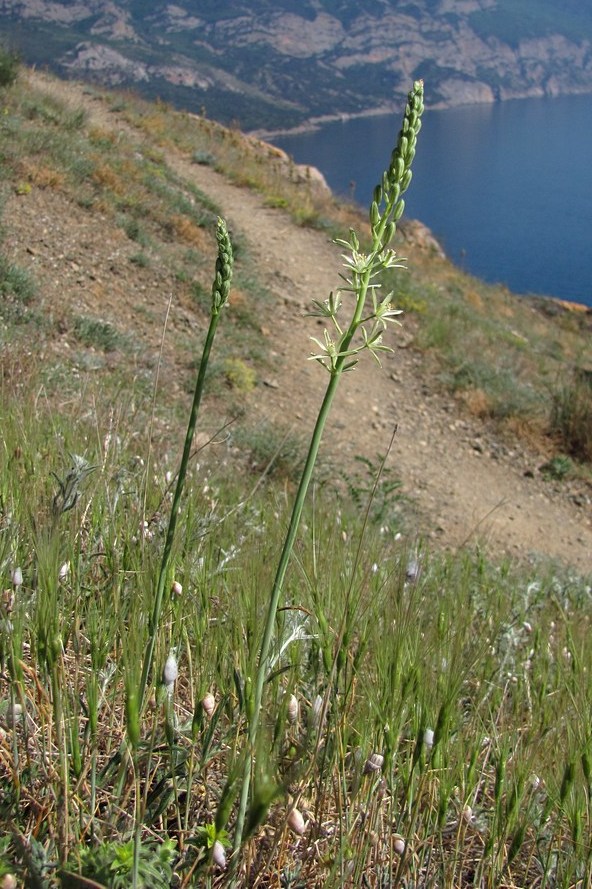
x: 425, y: 705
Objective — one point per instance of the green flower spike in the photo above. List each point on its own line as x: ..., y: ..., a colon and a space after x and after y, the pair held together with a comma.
x: 387, y: 205
x: 223, y: 272
x: 372, y: 313
x: 337, y: 355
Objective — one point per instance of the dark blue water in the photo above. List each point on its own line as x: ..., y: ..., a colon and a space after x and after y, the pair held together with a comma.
x: 506, y: 188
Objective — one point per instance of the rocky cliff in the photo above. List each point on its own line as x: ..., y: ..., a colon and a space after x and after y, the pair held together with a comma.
x: 269, y: 65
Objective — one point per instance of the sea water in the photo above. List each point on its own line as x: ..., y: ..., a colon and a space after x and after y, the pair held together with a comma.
x: 505, y: 187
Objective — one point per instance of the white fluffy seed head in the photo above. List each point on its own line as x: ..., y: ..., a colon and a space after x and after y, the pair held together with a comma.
x: 412, y: 571
x: 296, y: 822
x: 208, y: 704
x: 170, y: 671
x: 17, y: 577
x: 218, y: 854
x: 428, y: 738
x: 398, y: 844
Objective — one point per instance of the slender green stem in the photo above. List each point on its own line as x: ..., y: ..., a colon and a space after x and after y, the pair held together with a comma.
x: 93, y: 789
x: 64, y: 798
x: 138, y: 828
x: 220, y: 292
x: 174, y: 514
x: 284, y: 560
x: 337, y: 358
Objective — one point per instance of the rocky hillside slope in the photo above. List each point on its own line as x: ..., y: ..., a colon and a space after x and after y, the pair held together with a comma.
x: 107, y: 280
x: 271, y: 66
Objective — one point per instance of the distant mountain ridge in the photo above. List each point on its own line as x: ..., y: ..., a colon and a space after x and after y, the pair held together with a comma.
x: 274, y: 64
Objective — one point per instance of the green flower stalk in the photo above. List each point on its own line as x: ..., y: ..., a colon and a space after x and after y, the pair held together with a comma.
x: 339, y: 352
x: 220, y: 293
x: 224, y: 267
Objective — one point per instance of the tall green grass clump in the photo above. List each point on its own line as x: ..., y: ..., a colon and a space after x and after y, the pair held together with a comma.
x: 571, y: 415
x: 9, y: 66
x: 425, y: 716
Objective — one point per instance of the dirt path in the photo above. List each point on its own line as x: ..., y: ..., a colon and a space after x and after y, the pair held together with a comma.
x: 467, y: 486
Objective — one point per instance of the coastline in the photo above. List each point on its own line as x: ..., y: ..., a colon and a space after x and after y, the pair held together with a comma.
x: 567, y: 289
x: 313, y: 124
